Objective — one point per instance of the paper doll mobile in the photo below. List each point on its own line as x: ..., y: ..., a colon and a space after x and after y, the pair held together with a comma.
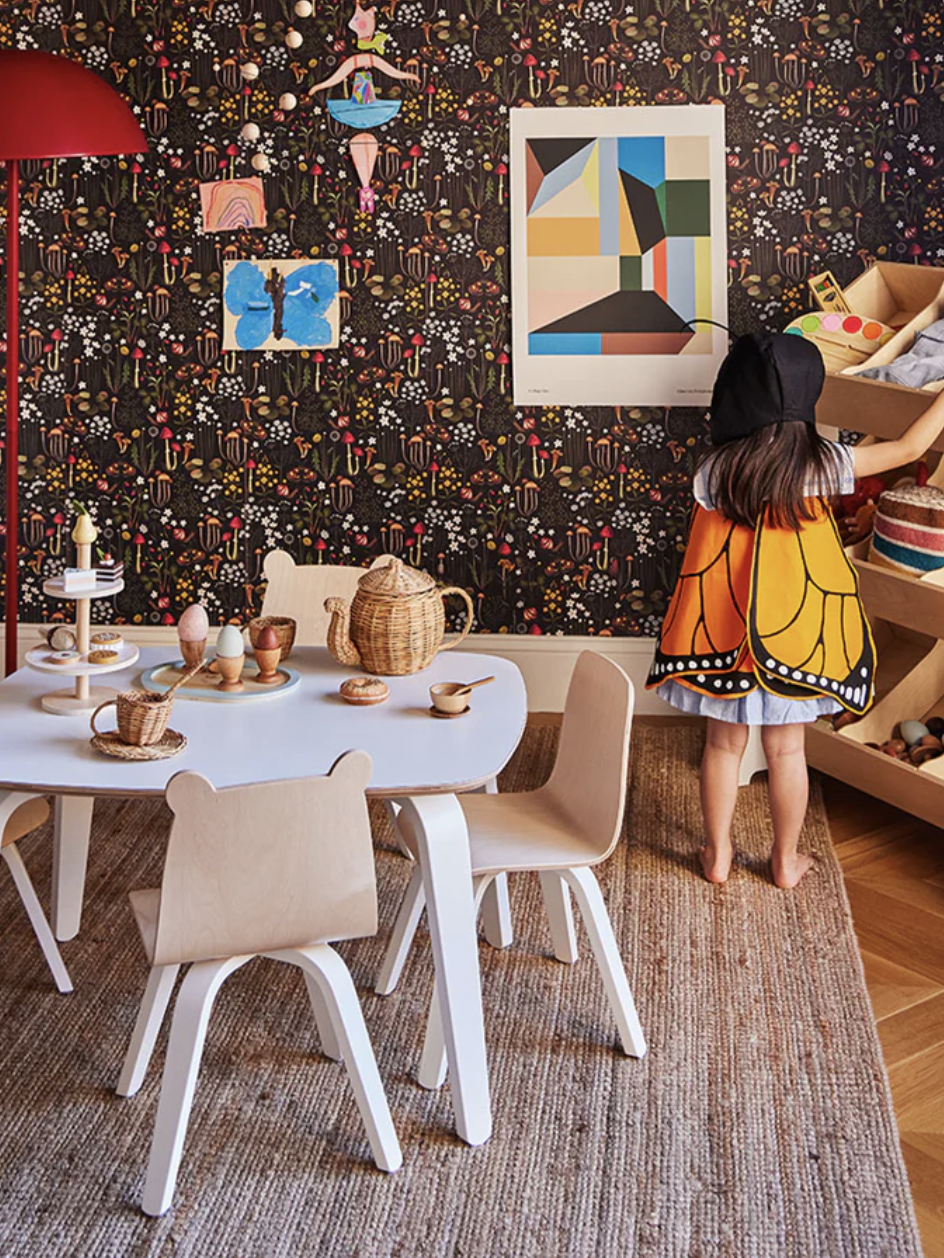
x: 364, y: 108
x: 283, y: 304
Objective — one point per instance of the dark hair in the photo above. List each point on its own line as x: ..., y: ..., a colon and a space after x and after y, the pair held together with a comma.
x: 776, y: 470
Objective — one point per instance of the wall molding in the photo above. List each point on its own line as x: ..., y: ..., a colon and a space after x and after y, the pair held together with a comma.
x: 545, y: 662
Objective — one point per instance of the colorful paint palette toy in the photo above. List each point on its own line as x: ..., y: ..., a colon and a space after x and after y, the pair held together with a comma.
x: 843, y: 340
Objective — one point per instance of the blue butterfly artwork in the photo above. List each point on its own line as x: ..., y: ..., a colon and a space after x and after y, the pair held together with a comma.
x: 281, y: 304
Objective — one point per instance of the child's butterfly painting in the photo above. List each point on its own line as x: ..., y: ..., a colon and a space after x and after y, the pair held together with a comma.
x: 280, y: 303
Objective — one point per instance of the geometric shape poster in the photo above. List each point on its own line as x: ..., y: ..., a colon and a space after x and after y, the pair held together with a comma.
x: 619, y: 246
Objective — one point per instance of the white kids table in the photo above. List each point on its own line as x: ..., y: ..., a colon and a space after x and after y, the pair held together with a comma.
x: 294, y: 735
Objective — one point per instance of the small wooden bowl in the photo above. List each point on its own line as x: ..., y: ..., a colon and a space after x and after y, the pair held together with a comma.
x: 445, y: 699
x: 284, y: 627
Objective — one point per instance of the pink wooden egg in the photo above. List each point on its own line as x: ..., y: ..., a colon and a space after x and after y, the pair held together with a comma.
x: 268, y: 639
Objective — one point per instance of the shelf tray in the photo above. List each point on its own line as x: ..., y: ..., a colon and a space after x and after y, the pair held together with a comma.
x: 205, y: 685
x: 38, y: 658
x: 53, y: 588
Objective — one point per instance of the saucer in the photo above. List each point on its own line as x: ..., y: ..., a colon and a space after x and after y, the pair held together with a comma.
x: 449, y: 716
x: 167, y: 746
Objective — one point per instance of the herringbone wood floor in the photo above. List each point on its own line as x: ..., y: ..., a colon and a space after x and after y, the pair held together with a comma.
x: 894, y: 870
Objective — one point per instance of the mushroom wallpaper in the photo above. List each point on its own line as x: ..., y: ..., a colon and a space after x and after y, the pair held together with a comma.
x: 195, y: 461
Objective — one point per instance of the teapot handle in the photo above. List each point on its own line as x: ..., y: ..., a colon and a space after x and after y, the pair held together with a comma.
x: 464, y: 595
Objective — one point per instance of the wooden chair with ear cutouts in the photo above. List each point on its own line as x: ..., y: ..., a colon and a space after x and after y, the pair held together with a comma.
x: 19, y: 815
x: 278, y: 869
x: 558, y: 831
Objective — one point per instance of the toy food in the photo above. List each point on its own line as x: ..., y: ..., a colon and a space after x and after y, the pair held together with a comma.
x: 268, y: 652
x: 192, y: 630
x: 364, y: 690
x: 103, y: 656
x: 61, y: 638
x: 230, y: 657
x: 63, y: 657
x: 913, y: 732
x: 909, y: 530
x: 107, y: 640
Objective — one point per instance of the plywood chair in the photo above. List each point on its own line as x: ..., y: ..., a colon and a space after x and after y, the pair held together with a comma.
x: 299, y: 591
x: 558, y: 831
x: 19, y: 814
x: 278, y: 870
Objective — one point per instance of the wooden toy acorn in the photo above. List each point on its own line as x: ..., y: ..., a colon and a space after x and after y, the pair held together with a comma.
x: 268, y: 652
x: 230, y: 658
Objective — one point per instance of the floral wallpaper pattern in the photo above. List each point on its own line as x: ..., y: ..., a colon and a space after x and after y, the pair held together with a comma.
x: 196, y: 462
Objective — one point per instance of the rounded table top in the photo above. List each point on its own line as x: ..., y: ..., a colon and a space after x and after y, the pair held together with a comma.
x: 299, y: 735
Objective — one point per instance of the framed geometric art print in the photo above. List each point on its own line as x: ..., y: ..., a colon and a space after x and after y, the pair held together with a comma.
x: 619, y: 246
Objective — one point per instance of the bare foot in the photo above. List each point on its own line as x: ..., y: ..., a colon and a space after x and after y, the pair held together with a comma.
x: 788, y: 871
x: 716, y: 864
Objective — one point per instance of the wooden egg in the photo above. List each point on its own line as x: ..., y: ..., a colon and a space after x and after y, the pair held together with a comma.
x: 268, y: 640
x: 935, y: 726
x: 931, y: 740
x: 918, y: 755
x: 194, y: 624
x: 229, y: 643
x: 913, y: 731
x: 898, y: 745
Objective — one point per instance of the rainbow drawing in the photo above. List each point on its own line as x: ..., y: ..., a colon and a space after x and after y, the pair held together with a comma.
x: 231, y: 204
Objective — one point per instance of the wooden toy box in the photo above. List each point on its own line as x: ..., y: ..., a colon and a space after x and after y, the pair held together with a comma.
x: 908, y: 298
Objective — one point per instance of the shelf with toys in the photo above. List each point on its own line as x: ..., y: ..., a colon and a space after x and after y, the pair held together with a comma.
x: 906, y: 611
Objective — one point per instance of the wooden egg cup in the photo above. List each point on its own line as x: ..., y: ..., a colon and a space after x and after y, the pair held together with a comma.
x: 192, y: 652
x: 268, y: 662
x: 230, y: 668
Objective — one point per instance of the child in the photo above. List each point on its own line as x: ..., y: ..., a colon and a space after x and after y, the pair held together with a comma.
x: 765, y: 626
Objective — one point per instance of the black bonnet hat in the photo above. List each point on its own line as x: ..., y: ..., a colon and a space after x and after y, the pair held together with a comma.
x: 767, y: 378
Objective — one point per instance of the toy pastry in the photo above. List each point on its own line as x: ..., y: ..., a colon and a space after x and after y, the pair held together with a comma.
x: 107, y: 640
x: 63, y: 657
x: 364, y: 690
x: 104, y: 655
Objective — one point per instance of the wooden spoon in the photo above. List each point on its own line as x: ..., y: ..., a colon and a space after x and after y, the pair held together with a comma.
x: 464, y: 689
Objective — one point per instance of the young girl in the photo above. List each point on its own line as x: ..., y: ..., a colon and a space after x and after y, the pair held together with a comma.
x: 765, y: 626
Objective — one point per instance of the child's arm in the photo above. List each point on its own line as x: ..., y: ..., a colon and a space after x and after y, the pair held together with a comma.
x: 881, y: 457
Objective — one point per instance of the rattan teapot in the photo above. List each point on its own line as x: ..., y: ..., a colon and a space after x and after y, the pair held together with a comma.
x: 395, y: 622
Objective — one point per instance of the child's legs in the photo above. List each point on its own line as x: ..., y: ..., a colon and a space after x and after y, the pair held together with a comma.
x: 724, y: 747
x: 787, y: 781
x: 789, y: 787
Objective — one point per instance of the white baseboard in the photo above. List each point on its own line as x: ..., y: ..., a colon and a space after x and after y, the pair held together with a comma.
x: 545, y: 662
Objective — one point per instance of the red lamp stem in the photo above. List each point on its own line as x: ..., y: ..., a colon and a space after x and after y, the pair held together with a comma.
x: 13, y: 406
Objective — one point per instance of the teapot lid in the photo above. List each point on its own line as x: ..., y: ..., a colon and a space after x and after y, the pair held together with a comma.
x: 395, y: 580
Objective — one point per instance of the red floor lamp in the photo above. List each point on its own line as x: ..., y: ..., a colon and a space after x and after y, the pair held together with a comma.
x: 49, y: 107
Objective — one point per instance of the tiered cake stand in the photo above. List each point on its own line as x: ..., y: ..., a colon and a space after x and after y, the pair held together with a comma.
x: 83, y: 697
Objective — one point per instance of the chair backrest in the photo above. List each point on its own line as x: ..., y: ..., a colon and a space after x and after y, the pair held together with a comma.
x: 299, y: 591
x: 588, y: 782
x: 253, y: 869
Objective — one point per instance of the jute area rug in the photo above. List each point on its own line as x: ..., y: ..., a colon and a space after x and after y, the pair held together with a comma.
x: 760, y: 1123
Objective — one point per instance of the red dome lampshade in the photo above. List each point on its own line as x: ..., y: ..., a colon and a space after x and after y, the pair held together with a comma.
x: 49, y: 107
x: 52, y: 107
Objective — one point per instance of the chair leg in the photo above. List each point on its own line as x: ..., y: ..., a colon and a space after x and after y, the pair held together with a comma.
x: 496, y: 914
x: 432, y: 1068
x: 157, y: 994
x: 401, y: 939
x: 187, y: 1035
x: 329, y: 1040
x: 329, y: 972
x: 34, y: 910
x: 559, y: 916
x: 606, y: 951
x: 392, y: 809
x: 496, y: 908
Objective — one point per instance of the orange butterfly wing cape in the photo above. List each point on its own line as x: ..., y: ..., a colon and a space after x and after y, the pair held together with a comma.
x: 772, y: 607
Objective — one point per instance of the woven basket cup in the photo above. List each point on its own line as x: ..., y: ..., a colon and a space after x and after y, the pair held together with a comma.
x: 284, y: 627
x: 142, y: 717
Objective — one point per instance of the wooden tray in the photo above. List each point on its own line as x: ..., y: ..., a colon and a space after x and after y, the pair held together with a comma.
x: 205, y: 685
